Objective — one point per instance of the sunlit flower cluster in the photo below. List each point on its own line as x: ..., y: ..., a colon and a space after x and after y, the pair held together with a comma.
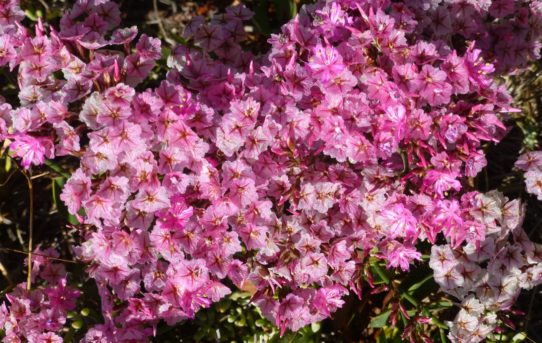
x: 355, y: 136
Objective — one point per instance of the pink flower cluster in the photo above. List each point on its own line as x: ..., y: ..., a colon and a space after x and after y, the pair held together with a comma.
x: 39, y: 315
x: 279, y: 174
x: 507, y: 31
x: 488, y: 277
x: 531, y: 164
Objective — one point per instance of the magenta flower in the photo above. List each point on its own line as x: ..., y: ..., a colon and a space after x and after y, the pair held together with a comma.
x: 441, y: 182
x: 325, y: 63
x: 399, y: 255
x: 137, y: 68
x: 7, y: 50
x: 433, y: 86
x: 399, y: 222
x: 31, y: 150
x: 49, y: 337
x: 151, y: 200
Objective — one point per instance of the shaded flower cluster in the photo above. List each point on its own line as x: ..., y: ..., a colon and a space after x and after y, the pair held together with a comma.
x: 355, y: 136
x: 507, y: 31
x: 39, y: 315
x: 531, y: 164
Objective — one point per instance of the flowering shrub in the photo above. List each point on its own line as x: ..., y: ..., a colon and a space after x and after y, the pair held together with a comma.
x: 355, y: 138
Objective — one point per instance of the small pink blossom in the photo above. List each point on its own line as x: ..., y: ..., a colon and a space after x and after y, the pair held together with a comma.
x: 32, y: 150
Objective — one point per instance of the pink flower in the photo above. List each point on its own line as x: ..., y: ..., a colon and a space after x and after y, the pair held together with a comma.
x: 123, y: 35
x: 501, y: 8
x: 149, y: 47
x: 32, y: 150
x: 312, y: 268
x: 328, y: 299
x: 253, y: 236
x: 531, y: 160
x: 7, y: 50
x: 455, y: 68
x: 399, y: 255
x: 137, y: 68
x: 209, y: 37
x: 177, y: 215
x: 76, y: 190
x: 433, y: 86
x: 533, y: 182
x: 290, y: 313
x: 151, y: 200
x: 243, y: 192
x: 325, y: 196
x: 442, y: 258
x: 440, y: 182
x: 478, y: 69
x: 356, y: 132
x: 49, y: 337
x: 190, y: 275
x: 325, y: 63
x: 399, y: 222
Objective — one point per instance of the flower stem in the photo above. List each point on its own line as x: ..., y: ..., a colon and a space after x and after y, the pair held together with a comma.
x: 28, y: 177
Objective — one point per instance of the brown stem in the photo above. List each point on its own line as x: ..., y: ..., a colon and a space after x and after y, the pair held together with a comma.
x: 161, y: 24
x: 28, y: 176
x: 41, y: 255
x: 4, y: 272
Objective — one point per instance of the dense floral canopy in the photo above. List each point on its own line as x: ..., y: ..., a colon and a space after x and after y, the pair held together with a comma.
x: 355, y: 137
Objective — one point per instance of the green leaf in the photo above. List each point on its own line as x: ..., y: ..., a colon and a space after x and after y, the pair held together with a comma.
x: 287, y: 9
x: 224, y: 305
x: 33, y: 15
x: 443, y: 338
x: 260, y: 323
x: 380, y: 320
x: 73, y: 220
x: 261, y: 17
x: 519, y: 337
x: 166, y: 51
x: 8, y: 164
x: 391, y: 335
x: 439, y: 305
x: 241, y: 322
x: 315, y: 327
x: 57, y: 185
x: 419, y: 284
x: 383, y: 274
x: 410, y: 298
x: 53, y: 13
x: 239, y: 295
x: 434, y: 320
x: 78, y: 324
x: 57, y: 168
